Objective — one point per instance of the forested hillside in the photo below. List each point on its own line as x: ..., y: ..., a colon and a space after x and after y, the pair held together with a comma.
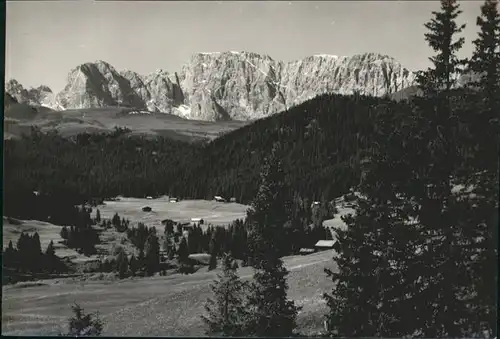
x: 323, y: 142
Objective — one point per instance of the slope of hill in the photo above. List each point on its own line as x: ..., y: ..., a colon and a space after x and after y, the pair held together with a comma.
x: 323, y: 139
x: 19, y: 118
x: 223, y: 86
x: 406, y: 93
x: 145, y: 307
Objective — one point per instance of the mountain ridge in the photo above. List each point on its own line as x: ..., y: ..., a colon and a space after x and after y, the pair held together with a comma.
x: 218, y: 86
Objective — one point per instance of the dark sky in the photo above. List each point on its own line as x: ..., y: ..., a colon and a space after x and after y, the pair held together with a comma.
x: 45, y: 39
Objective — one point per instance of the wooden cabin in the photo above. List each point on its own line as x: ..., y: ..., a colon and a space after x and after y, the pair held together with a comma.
x: 306, y: 251
x: 323, y: 245
x: 197, y: 221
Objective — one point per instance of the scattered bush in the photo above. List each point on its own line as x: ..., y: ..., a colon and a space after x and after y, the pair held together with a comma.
x: 84, y: 325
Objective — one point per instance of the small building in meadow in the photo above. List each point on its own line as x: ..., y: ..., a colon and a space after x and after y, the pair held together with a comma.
x: 233, y: 199
x: 306, y: 251
x: 174, y: 199
x: 218, y: 198
x: 323, y: 245
x: 197, y: 221
x: 200, y: 258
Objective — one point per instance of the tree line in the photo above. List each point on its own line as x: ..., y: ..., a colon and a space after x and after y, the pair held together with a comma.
x: 81, y: 236
x: 26, y: 259
x: 217, y: 241
x: 323, y: 144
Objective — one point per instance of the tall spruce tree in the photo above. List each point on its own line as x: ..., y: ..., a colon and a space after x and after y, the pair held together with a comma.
x: 50, y: 251
x: 213, y: 254
x: 485, y: 60
x: 10, y: 248
x: 484, y: 123
x: 435, y: 112
x: 371, y: 296
x: 152, y: 254
x: 270, y: 210
x: 98, y: 216
x: 439, y: 270
x: 400, y: 261
x: 225, y: 313
x: 442, y: 29
x: 36, y: 245
x: 270, y: 312
x: 122, y: 263
x: 481, y: 210
x: 183, y: 251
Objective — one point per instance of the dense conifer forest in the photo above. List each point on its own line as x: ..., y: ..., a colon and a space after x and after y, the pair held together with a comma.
x: 323, y: 143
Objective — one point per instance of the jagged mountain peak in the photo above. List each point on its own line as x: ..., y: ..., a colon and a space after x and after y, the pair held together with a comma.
x: 98, y: 65
x: 238, y: 85
x: 41, y: 95
x: 327, y: 56
x: 13, y: 82
x: 230, y: 54
x: 44, y: 88
x: 372, y: 55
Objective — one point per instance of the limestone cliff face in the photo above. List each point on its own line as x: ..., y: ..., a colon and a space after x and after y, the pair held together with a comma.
x: 242, y: 86
x: 158, y: 91
x: 231, y: 85
x: 42, y: 95
x: 14, y: 89
x: 228, y: 85
x: 368, y: 74
x: 97, y: 84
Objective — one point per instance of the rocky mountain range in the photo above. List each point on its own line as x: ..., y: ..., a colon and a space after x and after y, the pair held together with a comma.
x: 222, y: 86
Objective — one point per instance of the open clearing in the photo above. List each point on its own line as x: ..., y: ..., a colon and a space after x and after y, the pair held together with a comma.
x: 215, y: 213
x: 46, y: 231
x: 156, y: 306
x: 212, y: 212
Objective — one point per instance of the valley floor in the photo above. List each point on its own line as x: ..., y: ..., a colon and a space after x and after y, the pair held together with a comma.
x: 156, y: 306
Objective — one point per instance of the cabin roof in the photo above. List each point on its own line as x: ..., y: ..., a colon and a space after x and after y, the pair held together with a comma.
x: 306, y: 250
x: 325, y: 243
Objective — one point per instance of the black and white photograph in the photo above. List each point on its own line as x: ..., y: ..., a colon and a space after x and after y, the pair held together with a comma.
x: 251, y: 168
